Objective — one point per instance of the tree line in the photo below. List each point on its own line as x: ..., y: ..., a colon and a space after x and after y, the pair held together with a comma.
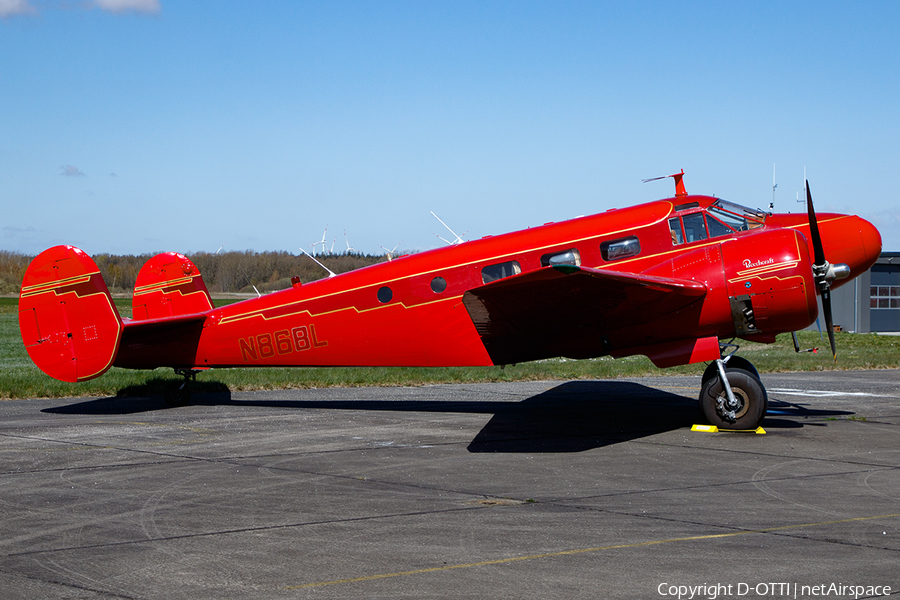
x: 226, y: 272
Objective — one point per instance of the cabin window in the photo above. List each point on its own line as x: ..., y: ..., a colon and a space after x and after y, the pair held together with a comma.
x: 694, y: 229
x: 499, y: 271
x: 675, y: 229
x: 618, y: 249
x: 566, y: 257
x: 385, y: 294
x: 438, y: 285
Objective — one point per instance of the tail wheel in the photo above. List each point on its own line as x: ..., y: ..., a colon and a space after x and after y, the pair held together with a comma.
x: 750, y: 401
x: 177, y: 394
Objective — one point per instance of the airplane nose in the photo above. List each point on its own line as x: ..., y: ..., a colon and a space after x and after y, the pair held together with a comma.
x: 871, y: 241
x: 849, y: 240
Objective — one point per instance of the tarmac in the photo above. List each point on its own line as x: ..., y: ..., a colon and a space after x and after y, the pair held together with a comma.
x: 583, y: 489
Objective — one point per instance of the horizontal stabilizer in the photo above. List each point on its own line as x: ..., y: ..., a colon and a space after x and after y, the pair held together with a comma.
x: 162, y: 342
x: 564, y: 310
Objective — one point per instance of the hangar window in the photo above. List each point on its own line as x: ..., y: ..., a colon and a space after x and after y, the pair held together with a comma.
x: 499, y: 271
x: 884, y: 296
x: 566, y: 257
x: 618, y: 249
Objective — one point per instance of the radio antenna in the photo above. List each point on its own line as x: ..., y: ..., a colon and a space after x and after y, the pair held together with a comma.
x: 330, y: 272
x: 774, y: 185
x: 458, y: 239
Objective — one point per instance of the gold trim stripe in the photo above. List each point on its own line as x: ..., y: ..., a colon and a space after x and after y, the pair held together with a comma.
x: 604, y: 234
x: 146, y: 289
x: 40, y: 288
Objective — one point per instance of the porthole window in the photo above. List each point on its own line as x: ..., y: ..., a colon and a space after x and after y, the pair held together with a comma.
x: 565, y: 257
x: 438, y: 285
x: 385, y: 294
x: 618, y: 249
x: 499, y: 271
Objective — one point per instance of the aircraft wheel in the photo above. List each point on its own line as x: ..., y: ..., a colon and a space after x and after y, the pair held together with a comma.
x: 735, y: 362
x: 751, y: 401
x: 178, y: 395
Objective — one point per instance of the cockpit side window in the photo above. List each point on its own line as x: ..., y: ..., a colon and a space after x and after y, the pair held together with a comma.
x: 716, y: 227
x: 694, y: 228
x: 675, y: 229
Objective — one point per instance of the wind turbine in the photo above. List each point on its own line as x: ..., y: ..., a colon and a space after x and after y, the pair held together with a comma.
x: 322, y: 241
x: 390, y: 253
x: 349, y: 248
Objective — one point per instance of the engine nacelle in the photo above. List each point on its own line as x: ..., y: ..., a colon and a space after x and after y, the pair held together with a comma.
x: 770, y: 283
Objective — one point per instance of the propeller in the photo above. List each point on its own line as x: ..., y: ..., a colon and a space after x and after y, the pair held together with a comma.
x: 823, y: 271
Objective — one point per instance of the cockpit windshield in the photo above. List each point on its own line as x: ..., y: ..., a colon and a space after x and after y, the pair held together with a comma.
x: 737, y: 217
x: 721, y: 218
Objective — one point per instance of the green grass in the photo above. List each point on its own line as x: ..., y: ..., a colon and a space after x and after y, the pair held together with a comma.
x: 19, y: 378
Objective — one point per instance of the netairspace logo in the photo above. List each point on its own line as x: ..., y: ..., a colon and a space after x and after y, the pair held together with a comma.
x: 722, y: 591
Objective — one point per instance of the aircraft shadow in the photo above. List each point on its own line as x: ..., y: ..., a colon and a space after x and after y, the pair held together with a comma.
x: 571, y: 417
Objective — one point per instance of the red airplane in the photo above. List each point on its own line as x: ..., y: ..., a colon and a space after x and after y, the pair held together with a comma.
x: 671, y: 279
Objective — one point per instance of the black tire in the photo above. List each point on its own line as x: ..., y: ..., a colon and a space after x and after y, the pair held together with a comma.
x: 178, y: 395
x: 750, y: 395
x: 735, y: 362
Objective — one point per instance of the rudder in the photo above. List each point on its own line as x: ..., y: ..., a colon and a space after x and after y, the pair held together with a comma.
x: 69, y: 324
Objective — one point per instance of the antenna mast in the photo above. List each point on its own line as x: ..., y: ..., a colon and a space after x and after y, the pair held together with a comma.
x: 774, y: 185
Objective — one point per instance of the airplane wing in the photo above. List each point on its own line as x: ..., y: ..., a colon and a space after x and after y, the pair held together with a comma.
x: 565, y: 310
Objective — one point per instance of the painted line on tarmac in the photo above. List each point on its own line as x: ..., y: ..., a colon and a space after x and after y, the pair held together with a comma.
x: 512, y: 559
x: 825, y: 393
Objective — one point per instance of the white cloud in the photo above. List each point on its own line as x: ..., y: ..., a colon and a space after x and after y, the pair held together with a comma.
x: 15, y: 8
x: 123, y: 6
x: 70, y: 171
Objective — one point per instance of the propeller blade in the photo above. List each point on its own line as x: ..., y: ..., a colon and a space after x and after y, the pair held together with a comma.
x: 829, y: 324
x: 821, y: 282
x: 796, y: 341
x: 814, y: 229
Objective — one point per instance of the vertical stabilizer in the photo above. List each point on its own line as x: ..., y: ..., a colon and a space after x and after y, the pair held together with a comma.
x: 169, y: 285
x: 69, y: 324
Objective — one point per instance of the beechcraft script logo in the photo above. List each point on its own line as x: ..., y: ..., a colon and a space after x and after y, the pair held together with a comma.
x: 286, y: 341
x: 760, y: 263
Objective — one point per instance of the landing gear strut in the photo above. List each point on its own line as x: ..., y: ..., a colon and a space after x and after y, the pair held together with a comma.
x: 732, y: 395
x: 179, y: 394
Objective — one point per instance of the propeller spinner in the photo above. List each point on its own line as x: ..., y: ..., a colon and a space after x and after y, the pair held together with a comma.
x: 824, y: 272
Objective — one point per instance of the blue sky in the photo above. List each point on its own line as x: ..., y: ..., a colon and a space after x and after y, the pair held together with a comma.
x: 138, y: 126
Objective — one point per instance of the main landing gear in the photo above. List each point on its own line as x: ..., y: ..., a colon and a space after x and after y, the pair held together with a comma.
x: 732, y: 395
x: 179, y: 394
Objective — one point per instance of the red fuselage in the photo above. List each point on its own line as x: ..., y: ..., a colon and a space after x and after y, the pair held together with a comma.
x: 411, y: 311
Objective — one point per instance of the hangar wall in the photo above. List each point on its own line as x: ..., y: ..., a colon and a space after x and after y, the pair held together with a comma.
x: 871, y: 302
